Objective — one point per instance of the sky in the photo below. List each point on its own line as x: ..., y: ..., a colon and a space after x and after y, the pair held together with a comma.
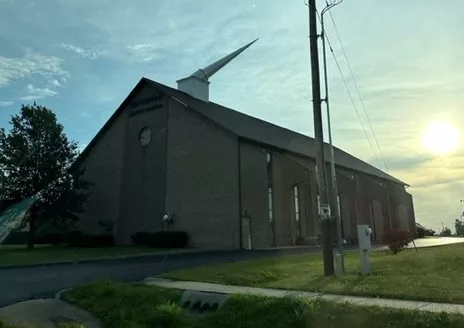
x: 82, y: 58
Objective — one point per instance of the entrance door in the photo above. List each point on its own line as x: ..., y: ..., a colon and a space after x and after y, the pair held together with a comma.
x: 246, y: 231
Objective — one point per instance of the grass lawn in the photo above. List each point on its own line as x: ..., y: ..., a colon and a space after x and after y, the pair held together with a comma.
x: 19, y: 255
x: 7, y: 325
x: 433, y: 274
x: 60, y: 325
x: 129, y: 305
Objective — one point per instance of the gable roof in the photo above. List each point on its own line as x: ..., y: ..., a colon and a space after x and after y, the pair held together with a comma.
x: 253, y: 129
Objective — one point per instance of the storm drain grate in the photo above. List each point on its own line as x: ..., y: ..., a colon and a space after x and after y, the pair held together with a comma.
x: 197, y: 303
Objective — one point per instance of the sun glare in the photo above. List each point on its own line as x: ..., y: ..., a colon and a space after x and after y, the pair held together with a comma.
x: 441, y: 137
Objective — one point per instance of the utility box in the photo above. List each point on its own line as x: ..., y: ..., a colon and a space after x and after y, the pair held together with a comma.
x: 364, y: 238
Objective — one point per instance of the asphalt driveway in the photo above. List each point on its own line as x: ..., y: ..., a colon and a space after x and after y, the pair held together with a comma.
x: 19, y: 284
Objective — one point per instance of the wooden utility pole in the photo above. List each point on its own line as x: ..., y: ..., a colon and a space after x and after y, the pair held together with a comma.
x: 327, y: 250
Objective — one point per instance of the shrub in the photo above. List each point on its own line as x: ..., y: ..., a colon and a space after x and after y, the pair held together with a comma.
x: 142, y: 238
x: 21, y: 237
x: 397, y: 240
x: 78, y: 239
x: 16, y: 238
x: 54, y: 238
x: 420, y: 232
x: 162, y: 239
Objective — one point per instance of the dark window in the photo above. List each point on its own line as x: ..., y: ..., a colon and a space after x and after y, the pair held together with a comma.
x: 270, y: 207
x: 296, y: 204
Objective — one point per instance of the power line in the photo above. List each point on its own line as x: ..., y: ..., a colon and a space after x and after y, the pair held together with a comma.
x: 351, y: 98
x: 358, y: 91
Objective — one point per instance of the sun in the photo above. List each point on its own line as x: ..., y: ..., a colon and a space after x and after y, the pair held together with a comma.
x: 441, y: 137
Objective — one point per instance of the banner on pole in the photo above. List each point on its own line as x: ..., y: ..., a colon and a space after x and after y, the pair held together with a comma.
x: 14, y: 215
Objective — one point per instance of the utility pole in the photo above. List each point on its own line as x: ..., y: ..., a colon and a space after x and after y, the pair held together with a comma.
x: 333, y: 172
x: 327, y: 251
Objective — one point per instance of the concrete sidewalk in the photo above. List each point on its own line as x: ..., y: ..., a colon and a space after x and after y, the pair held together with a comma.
x: 356, y: 300
x: 47, y: 313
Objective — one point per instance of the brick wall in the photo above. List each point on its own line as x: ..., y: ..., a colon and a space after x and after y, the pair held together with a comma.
x: 103, y: 168
x: 144, y: 171
x: 202, y: 179
x: 254, y: 192
x: 288, y: 171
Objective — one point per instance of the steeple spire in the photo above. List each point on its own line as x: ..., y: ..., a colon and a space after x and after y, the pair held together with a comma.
x: 197, y: 84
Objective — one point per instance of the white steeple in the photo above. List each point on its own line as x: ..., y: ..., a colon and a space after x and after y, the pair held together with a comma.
x: 197, y: 84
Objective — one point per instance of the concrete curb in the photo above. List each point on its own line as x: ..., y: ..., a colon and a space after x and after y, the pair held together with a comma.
x: 59, y: 294
x: 166, y: 253
x: 109, y: 259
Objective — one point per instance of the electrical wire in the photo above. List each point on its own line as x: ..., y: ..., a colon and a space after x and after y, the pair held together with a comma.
x: 358, y: 91
x: 351, y: 96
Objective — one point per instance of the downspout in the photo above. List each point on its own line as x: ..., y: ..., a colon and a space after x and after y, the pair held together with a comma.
x: 168, y: 131
x: 239, y: 165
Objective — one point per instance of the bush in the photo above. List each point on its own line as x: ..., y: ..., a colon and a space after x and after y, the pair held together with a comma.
x: 53, y: 238
x: 397, y: 240
x: 16, y: 238
x: 21, y: 237
x: 420, y: 232
x: 161, y: 239
x: 78, y: 239
x: 308, y: 241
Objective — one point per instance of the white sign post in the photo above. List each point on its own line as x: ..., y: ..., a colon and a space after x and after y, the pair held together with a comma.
x: 364, y: 238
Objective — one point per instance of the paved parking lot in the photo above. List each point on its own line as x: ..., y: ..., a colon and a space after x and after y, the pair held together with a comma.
x: 20, y: 284
x: 436, y: 241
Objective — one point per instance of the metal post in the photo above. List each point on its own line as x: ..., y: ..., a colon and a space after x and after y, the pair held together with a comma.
x: 327, y: 250
x: 333, y: 172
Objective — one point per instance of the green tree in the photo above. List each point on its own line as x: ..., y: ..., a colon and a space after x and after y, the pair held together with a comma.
x: 35, y: 159
x: 446, y: 232
x: 459, y: 226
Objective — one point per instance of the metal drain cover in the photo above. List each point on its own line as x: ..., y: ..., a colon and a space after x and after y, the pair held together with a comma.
x: 196, y: 302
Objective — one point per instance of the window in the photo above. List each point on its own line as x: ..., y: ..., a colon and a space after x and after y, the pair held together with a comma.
x: 268, y: 157
x: 271, y: 210
x: 296, y: 204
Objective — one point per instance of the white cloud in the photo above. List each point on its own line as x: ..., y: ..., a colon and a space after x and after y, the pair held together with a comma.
x: 5, y: 103
x: 55, y: 83
x: 143, y: 51
x: 84, y: 53
x: 49, y: 67
x: 38, y: 93
x: 143, y: 47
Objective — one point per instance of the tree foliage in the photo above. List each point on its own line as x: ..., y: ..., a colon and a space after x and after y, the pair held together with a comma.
x: 35, y: 159
x: 446, y: 232
x: 459, y: 227
x: 397, y: 240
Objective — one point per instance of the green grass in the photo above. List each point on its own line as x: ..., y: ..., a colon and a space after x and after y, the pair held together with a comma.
x: 433, y: 274
x: 8, y: 325
x: 61, y: 325
x: 129, y: 305
x: 18, y: 254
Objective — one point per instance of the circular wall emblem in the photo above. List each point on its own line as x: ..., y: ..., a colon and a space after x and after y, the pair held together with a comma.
x: 145, y: 136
